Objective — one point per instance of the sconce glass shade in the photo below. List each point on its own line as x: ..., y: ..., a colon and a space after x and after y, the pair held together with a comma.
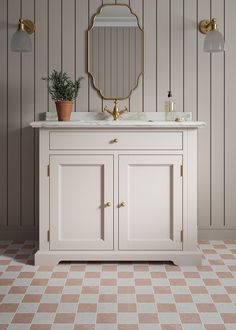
x: 21, y: 42
x: 214, y: 42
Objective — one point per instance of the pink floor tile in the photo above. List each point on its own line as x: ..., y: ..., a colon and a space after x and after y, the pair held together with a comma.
x: 166, y: 308
x: 40, y: 327
x: 84, y: 327
x: 23, y: 318
x: 148, y: 318
x: 107, y: 298
x: 229, y: 317
x: 126, y: 289
x: 127, y: 327
x: 70, y: 298
x: 145, y: 298
x: 127, y: 308
x: 64, y: 318
x: 8, y: 308
x: 87, y: 308
x: 191, y: 318
x: 47, y: 308
x: 106, y: 318
x: 206, y: 308
x: 215, y: 327
x: 18, y: 289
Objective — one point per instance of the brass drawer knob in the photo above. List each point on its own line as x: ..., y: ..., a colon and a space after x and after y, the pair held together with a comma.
x: 114, y: 141
x: 108, y: 204
x: 122, y: 204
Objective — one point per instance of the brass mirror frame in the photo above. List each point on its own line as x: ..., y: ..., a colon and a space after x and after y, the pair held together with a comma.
x: 88, y: 43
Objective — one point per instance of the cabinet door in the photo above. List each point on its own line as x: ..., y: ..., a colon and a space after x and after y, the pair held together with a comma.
x: 80, y: 187
x: 150, y: 186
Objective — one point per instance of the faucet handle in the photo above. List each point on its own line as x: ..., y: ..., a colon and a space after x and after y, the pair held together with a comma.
x: 123, y: 110
x: 107, y: 110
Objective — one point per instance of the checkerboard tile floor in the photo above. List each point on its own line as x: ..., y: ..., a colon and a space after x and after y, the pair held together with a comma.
x: 118, y: 296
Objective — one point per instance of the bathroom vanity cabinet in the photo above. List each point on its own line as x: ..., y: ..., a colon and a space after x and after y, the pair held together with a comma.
x: 118, y: 192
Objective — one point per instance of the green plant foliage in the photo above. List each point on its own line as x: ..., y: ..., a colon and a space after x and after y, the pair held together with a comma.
x: 61, y: 87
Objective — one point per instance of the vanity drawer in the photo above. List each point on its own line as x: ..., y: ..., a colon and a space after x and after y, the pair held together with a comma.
x: 116, y: 140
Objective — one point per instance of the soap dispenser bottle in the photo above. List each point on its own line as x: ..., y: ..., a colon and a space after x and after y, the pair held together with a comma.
x: 169, y: 107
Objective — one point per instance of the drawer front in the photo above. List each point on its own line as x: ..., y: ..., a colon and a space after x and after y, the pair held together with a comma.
x: 116, y: 140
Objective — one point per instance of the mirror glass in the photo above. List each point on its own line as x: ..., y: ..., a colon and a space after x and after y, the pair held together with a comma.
x: 115, y: 51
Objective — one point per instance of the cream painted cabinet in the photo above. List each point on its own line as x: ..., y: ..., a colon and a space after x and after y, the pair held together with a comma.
x: 150, y: 197
x: 113, y: 192
x: 81, y: 199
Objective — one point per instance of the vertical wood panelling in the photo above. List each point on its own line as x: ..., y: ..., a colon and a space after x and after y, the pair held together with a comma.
x: 113, y: 60
x: 174, y: 57
x: 41, y: 57
x: 126, y: 58
x: 149, y: 80
x: 217, y: 125
x: 81, y: 26
x: 68, y: 38
x: 190, y: 56
x: 136, y: 98
x: 204, y: 106
x: 126, y: 102
x: 132, y: 65
x: 95, y: 101
x: 14, y: 120
x: 177, y: 56
x: 27, y: 134
x: 163, y: 52
x: 94, y: 46
x: 41, y: 67
x: 3, y: 113
x: 54, y: 40
x: 108, y: 61
x: 230, y: 114
x: 101, y: 57
x: 120, y: 62
x: 108, y: 103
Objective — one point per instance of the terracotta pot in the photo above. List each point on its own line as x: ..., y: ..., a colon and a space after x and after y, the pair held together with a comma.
x: 64, y: 109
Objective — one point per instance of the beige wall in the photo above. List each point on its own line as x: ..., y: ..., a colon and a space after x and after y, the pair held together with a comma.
x: 174, y: 59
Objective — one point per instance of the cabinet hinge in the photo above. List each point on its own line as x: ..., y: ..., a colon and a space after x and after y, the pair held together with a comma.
x: 181, y: 170
x: 48, y: 235
x: 182, y: 235
x: 48, y: 170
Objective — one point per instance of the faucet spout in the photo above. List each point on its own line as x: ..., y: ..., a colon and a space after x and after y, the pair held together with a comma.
x: 116, y: 113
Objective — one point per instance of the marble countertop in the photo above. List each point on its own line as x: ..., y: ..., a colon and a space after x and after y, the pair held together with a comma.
x: 117, y: 124
x: 128, y: 120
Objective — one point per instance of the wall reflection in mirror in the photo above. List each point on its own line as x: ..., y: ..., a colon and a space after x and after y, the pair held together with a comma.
x: 115, y: 51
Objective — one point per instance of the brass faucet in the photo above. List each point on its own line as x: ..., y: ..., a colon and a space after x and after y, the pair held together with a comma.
x: 116, y: 112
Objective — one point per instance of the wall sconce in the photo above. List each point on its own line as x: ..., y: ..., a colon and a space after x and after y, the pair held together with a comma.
x: 214, y: 41
x: 21, y: 41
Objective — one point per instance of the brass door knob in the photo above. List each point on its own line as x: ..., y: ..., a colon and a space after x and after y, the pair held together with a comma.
x: 114, y: 141
x: 108, y: 204
x: 122, y: 204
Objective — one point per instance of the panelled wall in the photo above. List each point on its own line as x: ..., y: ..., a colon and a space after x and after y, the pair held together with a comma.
x: 202, y: 83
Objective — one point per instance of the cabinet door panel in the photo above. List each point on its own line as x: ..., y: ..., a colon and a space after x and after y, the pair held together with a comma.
x: 151, y: 187
x: 80, y: 186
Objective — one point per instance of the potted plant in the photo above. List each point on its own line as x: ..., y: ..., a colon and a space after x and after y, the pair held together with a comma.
x: 63, y: 90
